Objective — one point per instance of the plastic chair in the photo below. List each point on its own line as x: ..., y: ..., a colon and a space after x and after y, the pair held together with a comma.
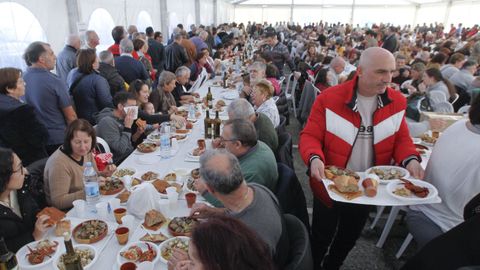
x: 464, y: 110
x: 300, y: 254
x: 290, y: 92
x: 281, y: 127
x: 104, y: 144
x: 388, y: 226
x: 443, y: 107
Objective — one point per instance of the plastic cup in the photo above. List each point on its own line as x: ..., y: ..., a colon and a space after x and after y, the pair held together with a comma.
x: 201, y: 144
x: 172, y: 195
x: 191, y: 199
x: 114, y: 203
x: 79, y: 206
x: 128, y: 266
x: 102, y: 209
x: 208, y: 144
x: 122, y: 235
x: 127, y: 181
x: 134, y: 108
x: 128, y: 221
x: 119, y: 214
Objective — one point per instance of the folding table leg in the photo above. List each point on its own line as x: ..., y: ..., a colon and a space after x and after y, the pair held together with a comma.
x: 388, y: 226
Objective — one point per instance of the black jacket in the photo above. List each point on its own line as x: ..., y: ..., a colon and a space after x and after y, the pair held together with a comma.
x: 390, y: 43
x: 178, y: 92
x: 131, y: 69
x: 114, y: 79
x: 18, y: 231
x: 156, y: 50
x: 176, y: 56
x: 21, y: 130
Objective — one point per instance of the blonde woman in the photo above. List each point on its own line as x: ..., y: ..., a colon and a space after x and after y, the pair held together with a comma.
x: 263, y: 102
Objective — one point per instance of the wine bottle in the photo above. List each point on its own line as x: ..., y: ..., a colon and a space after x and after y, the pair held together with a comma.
x: 71, y: 259
x: 209, y: 99
x: 208, y: 126
x: 8, y: 261
x: 216, y: 125
x: 225, y: 79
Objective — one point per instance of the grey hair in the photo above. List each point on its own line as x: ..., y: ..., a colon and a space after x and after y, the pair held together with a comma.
x: 244, y: 131
x: 224, y: 181
x: 88, y: 35
x: 106, y: 57
x: 177, y: 33
x: 240, y: 109
x: 126, y: 46
x: 165, y: 77
x: 182, y: 70
x: 259, y: 65
x: 72, y: 39
x: 203, y: 34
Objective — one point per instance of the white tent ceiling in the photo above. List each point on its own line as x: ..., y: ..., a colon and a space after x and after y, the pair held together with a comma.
x: 336, y: 2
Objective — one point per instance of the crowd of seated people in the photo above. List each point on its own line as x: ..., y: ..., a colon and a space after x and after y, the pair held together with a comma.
x: 93, y: 93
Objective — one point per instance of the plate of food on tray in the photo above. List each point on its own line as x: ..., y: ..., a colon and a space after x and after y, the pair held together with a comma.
x: 332, y: 171
x: 388, y: 173
x: 37, y: 254
x: 90, y: 231
x: 138, y: 252
x: 147, y: 147
x: 88, y: 256
x: 346, y: 186
x: 168, y: 246
x: 154, y: 220
x: 412, y: 190
x: 112, y: 186
x: 182, y: 226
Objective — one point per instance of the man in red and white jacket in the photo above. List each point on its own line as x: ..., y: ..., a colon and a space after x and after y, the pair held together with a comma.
x: 355, y: 125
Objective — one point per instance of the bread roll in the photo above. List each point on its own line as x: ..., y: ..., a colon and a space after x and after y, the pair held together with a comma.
x: 346, y: 183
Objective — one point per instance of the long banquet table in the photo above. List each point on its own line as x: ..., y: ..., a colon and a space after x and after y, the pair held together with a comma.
x: 109, y: 247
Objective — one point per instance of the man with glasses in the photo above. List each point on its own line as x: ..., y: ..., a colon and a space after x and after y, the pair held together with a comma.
x: 257, y: 160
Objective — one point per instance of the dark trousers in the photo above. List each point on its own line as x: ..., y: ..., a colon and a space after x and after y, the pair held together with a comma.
x: 51, y: 148
x: 335, y: 230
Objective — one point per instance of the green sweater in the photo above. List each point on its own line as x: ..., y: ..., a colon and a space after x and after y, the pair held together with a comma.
x: 266, y: 131
x: 259, y: 166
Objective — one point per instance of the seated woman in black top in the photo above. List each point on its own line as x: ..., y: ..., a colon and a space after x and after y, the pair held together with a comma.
x: 18, y: 222
x: 181, y: 86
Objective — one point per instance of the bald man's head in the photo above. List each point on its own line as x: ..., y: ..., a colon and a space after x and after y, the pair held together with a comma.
x: 375, y: 69
x: 220, y: 170
x: 74, y: 41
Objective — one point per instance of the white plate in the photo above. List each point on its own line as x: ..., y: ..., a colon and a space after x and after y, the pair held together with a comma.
x: 147, y: 159
x: 143, y: 246
x: 127, y: 168
x: 230, y: 95
x: 164, y: 244
x: 139, y: 175
x: 190, y: 155
x: 433, y: 192
x: 83, y: 247
x: 404, y: 171
x: 23, y: 262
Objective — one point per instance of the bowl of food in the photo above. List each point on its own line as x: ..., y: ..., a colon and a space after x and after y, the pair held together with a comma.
x: 37, y: 254
x: 168, y: 246
x: 149, y: 176
x: 90, y: 231
x: 138, y: 252
x: 182, y: 226
x: 112, y: 186
x: 147, y: 147
x: 119, y: 173
x: 388, y: 173
x: 88, y: 257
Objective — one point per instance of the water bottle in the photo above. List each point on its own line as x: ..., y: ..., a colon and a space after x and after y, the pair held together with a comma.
x: 191, y: 111
x: 165, y: 140
x: 90, y: 181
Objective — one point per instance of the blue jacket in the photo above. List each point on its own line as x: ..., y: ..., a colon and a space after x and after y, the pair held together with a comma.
x: 130, y: 69
x: 91, y: 95
x: 66, y: 61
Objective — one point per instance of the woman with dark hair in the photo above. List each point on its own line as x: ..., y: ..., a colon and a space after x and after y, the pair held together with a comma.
x: 310, y: 55
x: 434, y: 81
x: 200, y: 63
x: 323, y: 81
x: 438, y: 61
x: 90, y: 91
x: 141, y: 47
x: 142, y: 92
x: 271, y: 74
x: 63, y: 176
x: 207, y: 249
x: 18, y: 222
x: 21, y: 129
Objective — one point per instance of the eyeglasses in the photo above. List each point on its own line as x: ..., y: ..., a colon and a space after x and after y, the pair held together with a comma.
x: 225, y: 140
x: 20, y: 168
